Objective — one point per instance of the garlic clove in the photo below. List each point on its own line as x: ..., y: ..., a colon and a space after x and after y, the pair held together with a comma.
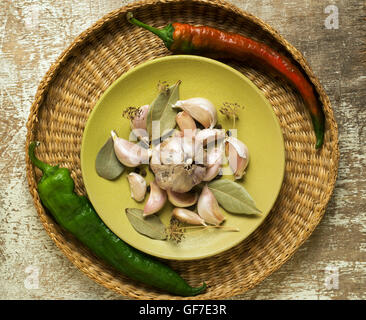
x: 208, y: 208
x: 237, y: 154
x: 206, y: 137
x: 212, y: 172
x: 140, y: 120
x: 185, y: 122
x: 188, y: 146
x: 214, y: 162
x: 215, y: 155
x: 188, y: 216
x: 155, y: 155
x: 200, y: 109
x: 128, y: 153
x: 137, y: 186
x: 142, y: 135
x: 156, y: 201
x: 171, y: 151
x: 182, y: 200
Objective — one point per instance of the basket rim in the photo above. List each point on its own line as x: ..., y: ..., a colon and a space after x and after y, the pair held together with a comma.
x: 297, y: 56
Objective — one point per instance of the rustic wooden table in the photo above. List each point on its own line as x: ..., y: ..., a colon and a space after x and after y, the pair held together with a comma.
x: 330, y: 33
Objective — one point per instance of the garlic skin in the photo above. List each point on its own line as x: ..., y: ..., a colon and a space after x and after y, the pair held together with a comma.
x: 208, y: 208
x: 140, y: 120
x: 182, y: 200
x: 200, y: 109
x: 188, y: 216
x: 237, y: 154
x: 128, y: 153
x: 156, y: 201
x: 137, y: 186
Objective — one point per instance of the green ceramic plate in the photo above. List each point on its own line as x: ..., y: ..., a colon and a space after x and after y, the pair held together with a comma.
x: 257, y: 126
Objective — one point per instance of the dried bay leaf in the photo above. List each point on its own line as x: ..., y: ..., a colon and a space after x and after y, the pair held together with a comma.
x: 233, y: 197
x: 106, y: 162
x: 161, y: 110
x: 150, y: 226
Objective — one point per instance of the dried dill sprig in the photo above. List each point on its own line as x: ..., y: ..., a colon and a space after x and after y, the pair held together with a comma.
x: 163, y: 86
x: 131, y: 112
x: 231, y: 111
x: 175, y: 231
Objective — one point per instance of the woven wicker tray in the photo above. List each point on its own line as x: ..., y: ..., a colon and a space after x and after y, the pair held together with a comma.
x: 100, y: 55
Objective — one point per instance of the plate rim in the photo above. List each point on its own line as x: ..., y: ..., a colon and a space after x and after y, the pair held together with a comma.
x: 227, y: 67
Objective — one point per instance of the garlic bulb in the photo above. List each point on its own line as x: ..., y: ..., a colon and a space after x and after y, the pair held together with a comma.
x: 137, y: 186
x: 208, y: 208
x: 238, y: 156
x: 172, y: 164
x: 200, y: 109
x: 188, y: 216
x: 182, y: 200
x: 178, y: 177
x: 156, y: 201
x: 128, y: 153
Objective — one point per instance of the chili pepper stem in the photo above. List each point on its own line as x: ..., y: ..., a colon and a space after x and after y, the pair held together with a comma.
x: 44, y: 167
x: 165, y: 34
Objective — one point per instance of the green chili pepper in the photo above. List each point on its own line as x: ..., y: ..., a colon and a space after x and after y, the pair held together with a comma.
x: 76, y: 214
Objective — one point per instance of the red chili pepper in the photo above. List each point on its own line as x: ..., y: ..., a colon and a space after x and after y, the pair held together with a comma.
x: 203, y: 40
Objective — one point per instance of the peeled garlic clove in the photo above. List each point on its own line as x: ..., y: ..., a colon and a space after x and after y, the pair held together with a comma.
x: 128, y: 153
x: 208, y: 208
x: 137, y: 186
x: 185, y: 122
x: 188, y: 216
x: 140, y: 120
x: 182, y: 200
x: 237, y: 154
x: 156, y: 201
x: 200, y: 109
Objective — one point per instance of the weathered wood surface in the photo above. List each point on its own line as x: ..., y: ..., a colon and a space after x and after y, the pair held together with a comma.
x: 34, y: 33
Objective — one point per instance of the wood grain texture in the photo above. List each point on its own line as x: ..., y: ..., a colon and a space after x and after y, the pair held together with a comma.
x: 33, y: 34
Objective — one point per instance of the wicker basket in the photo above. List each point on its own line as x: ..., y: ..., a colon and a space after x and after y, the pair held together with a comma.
x: 112, y: 46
